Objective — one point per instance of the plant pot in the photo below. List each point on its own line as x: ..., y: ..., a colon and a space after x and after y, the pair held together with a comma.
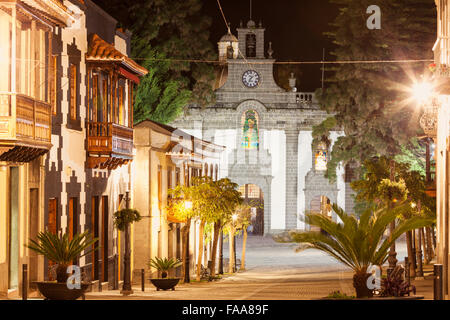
x: 360, y: 285
x: 60, y: 291
x: 165, y: 284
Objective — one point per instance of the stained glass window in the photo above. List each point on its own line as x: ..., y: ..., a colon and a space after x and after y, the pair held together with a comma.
x: 321, y: 157
x: 250, y: 132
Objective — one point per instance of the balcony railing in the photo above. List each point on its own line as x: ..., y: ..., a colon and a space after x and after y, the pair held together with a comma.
x: 109, y: 139
x: 24, y: 123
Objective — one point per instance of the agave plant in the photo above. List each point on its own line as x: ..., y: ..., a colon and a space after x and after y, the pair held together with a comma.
x: 357, y: 243
x: 60, y: 250
x: 163, y: 265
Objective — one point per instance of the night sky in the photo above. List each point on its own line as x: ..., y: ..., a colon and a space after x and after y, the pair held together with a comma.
x: 295, y: 28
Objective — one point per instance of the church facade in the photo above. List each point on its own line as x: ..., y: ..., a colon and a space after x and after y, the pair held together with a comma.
x: 267, y: 132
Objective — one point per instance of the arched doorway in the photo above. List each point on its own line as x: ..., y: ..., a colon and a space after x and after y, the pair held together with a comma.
x: 322, y: 205
x: 254, y: 197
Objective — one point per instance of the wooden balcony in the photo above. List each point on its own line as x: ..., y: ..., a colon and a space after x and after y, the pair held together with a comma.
x: 25, y: 128
x: 109, y: 145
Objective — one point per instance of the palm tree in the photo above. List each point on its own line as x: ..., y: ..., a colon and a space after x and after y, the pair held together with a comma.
x: 61, y: 250
x: 358, y: 244
x: 164, y: 265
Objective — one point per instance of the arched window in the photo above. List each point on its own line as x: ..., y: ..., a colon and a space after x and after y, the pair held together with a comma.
x: 250, y: 130
x: 320, y: 163
x: 250, y: 42
x: 230, y: 52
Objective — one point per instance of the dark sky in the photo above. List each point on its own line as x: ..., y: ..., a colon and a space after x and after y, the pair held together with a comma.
x: 295, y: 28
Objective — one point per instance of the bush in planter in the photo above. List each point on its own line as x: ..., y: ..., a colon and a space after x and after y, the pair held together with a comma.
x: 125, y: 217
x: 163, y: 265
x: 60, y: 250
x: 357, y: 243
x: 395, y: 285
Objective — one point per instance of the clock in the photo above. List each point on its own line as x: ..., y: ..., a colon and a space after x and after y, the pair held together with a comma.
x: 250, y: 78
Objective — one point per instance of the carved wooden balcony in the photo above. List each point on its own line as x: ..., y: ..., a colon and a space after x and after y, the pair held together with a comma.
x: 25, y: 128
x: 109, y: 145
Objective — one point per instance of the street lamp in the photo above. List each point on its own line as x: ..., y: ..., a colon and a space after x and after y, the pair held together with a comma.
x: 234, y: 217
x: 422, y: 91
x: 187, y: 206
x: 126, y: 289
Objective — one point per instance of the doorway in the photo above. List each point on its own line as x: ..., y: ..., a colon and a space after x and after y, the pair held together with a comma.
x: 34, y: 229
x: 105, y: 238
x: 13, y: 275
x: 321, y: 205
x: 254, y: 197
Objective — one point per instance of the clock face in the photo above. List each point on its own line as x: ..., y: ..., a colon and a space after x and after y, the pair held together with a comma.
x: 250, y: 78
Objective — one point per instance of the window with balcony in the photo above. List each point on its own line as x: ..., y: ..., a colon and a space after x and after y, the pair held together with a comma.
x: 111, y: 76
x: 25, y: 130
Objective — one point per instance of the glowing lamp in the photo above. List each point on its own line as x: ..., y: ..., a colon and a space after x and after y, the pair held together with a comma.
x: 422, y: 91
x: 188, y: 205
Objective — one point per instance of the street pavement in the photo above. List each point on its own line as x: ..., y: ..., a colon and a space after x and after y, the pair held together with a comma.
x: 274, y: 271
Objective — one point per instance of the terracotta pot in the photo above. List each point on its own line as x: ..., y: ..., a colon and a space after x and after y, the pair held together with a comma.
x: 165, y: 284
x: 60, y: 291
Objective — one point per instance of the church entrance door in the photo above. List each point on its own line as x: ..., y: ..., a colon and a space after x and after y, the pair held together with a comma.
x: 254, y: 197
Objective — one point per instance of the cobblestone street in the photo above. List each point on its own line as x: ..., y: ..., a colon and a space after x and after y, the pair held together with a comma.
x: 274, y: 272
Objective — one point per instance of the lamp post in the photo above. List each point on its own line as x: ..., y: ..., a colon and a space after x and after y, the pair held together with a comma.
x: 392, y: 254
x: 221, y: 253
x: 126, y: 289
x: 187, y: 279
x: 234, y: 241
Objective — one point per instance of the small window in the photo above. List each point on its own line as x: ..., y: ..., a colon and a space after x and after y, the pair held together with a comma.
x: 53, y: 83
x: 73, y: 91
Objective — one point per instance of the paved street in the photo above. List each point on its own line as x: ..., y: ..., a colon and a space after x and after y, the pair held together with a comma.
x: 274, y: 271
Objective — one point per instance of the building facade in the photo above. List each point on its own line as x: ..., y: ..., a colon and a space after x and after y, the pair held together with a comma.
x: 89, y: 167
x: 435, y: 122
x: 166, y: 157
x: 27, y: 29
x: 267, y: 132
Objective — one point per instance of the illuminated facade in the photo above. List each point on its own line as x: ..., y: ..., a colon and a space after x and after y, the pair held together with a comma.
x: 435, y: 122
x: 90, y: 165
x: 267, y: 132
x: 27, y: 29
x: 166, y: 157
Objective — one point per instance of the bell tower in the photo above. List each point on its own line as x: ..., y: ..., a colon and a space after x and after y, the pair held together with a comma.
x: 251, y: 39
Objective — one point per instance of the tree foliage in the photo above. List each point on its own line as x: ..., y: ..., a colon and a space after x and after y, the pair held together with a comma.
x: 369, y: 101
x: 374, y: 184
x: 357, y: 243
x: 162, y: 31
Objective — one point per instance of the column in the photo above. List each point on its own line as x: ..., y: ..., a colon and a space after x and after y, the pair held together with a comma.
x: 291, y: 178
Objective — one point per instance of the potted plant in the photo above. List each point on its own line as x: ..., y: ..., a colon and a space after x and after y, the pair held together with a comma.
x: 357, y: 243
x: 163, y: 265
x: 62, y: 251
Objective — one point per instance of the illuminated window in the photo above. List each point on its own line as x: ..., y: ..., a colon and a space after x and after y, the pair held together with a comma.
x: 73, y: 91
x: 53, y: 83
x: 321, y: 157
x: 121, y: 111
x: 253, y: 191
x: 250, y: 134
